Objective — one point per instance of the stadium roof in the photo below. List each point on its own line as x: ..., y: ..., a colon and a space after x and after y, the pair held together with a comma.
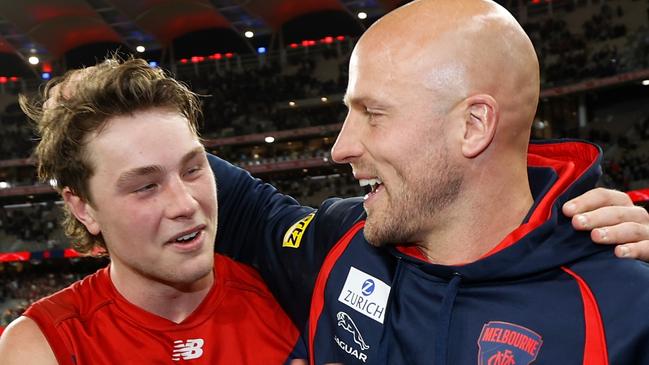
x: 56, y: 29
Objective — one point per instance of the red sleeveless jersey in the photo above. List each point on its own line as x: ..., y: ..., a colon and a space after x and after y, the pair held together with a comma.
x: 238, y: 322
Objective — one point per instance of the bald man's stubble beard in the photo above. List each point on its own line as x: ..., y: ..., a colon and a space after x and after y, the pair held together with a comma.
x: 410, y: 208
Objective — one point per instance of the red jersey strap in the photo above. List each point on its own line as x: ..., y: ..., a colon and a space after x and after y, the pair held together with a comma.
x: 54, y: 339
x: 317, y: 301
x: 595, y: 350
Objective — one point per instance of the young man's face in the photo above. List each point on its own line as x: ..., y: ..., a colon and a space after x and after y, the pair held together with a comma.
x: 152, y: 186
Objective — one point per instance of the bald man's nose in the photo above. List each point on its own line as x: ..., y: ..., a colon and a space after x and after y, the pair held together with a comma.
x: 348, y: 146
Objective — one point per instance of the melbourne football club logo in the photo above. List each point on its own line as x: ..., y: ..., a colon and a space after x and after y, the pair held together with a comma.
x: 503, y: 343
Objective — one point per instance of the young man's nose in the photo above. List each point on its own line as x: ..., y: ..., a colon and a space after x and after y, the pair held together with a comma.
x: 181, y: 200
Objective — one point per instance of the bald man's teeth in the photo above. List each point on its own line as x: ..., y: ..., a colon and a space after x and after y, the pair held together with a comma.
x: 373, y: 183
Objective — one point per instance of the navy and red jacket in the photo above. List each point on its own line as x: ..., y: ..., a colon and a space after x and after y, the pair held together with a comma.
x: 544, y: 295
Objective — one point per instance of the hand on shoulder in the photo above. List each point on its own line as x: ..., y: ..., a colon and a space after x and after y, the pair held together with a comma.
x: 612, y: 218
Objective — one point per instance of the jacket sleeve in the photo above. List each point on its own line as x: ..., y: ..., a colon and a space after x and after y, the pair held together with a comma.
x: 284, y: 241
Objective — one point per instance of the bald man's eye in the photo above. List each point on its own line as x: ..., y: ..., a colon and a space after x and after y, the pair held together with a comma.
x: 371, y: 115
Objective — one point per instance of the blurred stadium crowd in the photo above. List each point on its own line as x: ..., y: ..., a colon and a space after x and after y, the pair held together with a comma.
x: 24, y: 282
x: 246, y: 103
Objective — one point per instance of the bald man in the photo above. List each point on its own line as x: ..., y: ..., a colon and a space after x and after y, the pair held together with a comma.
x: 460, y: 253
x: 452, y: 122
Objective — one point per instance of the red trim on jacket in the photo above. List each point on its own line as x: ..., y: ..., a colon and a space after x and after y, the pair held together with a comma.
x: 413, y: 251
x: 595, y: 349
x: 639, y: 196
x: 317, y: 301
x: 568, y: 166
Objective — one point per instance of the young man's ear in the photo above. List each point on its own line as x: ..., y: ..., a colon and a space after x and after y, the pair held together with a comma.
x: 480, y: 124
x: 81, y: 210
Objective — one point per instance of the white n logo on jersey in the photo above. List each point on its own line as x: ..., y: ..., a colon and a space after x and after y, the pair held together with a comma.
x: 191, y: 349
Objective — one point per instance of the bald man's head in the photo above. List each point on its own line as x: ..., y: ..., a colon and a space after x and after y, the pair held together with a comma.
x: 461, y: 48
x: 441, y: 97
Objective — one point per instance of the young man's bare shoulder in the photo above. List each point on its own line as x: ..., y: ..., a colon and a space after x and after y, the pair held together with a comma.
x: 23, y: 343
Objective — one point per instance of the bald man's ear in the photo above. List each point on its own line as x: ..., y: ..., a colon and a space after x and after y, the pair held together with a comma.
x: 480, y: 124
x: 81, y: 210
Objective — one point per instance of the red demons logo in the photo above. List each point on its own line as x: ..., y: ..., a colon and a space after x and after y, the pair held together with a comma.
x: 502, y: 358
x: 503, y: 343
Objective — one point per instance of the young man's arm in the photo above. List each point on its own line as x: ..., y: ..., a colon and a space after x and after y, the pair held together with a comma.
x: 23, y: 343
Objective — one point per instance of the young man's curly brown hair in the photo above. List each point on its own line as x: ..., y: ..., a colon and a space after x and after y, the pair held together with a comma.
x: 77, y: 105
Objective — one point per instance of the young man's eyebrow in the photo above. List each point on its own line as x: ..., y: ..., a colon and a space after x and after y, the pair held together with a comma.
x: 132, y: 174
x: 191, y: 154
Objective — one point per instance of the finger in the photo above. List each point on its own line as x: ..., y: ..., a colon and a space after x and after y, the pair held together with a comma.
x: 594, y: 199
x: 610, y: 216
x: 636, y: 250
x: 623, y: 233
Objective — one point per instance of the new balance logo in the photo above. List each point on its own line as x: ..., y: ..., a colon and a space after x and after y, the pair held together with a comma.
x: 188, y: 350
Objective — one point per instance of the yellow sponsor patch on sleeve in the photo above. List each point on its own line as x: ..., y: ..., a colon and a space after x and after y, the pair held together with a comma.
x: 293, y: 236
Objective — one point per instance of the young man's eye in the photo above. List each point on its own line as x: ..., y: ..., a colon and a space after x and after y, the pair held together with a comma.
x: 146, y: 188
x: 193, y: 171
